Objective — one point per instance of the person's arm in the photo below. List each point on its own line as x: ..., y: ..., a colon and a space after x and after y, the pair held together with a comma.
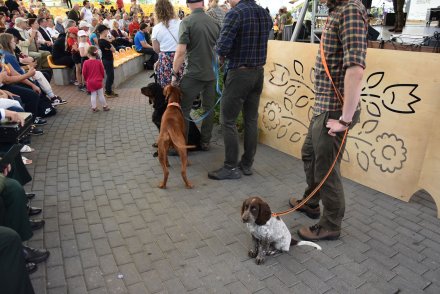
x: 145, y: 44
x: 156, y: 46
x: 12, y: 115
x: 353, y: 36
x: 227, y: 35
x: 179, y: 58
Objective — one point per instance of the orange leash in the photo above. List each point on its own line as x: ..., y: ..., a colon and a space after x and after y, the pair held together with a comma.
x: 341, y: 100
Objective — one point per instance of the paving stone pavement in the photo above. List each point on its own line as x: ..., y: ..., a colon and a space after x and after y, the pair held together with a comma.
x: 111, y: 230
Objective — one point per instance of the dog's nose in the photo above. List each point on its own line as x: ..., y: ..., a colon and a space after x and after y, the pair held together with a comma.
x: 245, y: 219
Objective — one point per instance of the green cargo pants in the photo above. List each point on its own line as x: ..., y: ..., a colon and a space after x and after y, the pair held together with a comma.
x: 318, y: 153
x: 190, y: 89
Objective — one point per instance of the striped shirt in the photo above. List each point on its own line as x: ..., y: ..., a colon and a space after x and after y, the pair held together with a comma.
x: 345, y: 44
x: 244, y: 35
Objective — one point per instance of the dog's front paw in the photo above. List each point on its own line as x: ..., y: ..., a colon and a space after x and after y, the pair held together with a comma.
x: 252, y: 253
x: 259, y: 259
x: 162, y: 185
x: 189, y: 185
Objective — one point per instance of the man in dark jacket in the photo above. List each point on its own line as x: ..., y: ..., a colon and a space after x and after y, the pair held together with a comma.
x: 74, y: 13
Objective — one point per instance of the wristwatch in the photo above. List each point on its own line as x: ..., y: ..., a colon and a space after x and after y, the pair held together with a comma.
x: 344, y: 123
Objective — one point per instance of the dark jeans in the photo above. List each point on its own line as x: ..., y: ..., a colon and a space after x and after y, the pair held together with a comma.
x: 13, y: 275
x: 27, y: 96
x: 16, y: 215
x: 110, y: 75
x: 191, y: 88
x: 154, y: 56
x: 318, y: 153
x: 242, y: 90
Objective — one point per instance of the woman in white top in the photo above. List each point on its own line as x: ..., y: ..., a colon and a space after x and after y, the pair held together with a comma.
x: 165, y: 39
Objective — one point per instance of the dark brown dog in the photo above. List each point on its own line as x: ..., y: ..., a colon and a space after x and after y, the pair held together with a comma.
x: 172, y: 134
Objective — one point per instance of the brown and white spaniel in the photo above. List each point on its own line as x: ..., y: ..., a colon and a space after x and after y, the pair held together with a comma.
x: 270, y: 234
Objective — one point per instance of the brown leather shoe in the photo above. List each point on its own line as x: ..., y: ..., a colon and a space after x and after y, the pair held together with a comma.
x: 317, y: 233
x: 313, y: 213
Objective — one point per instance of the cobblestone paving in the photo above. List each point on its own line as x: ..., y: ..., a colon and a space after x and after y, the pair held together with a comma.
x: 110, y: 230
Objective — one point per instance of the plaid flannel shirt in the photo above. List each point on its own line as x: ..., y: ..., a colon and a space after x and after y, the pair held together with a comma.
x: 243, y: 38
x: 345, y: 44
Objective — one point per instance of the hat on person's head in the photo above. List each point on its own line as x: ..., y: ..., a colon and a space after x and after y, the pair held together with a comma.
x: 83, y: 24
x: 193, y: 1
x: 20, y: 20
x: 82, y: 33
x: 100, y: 28
x: 73, y: 30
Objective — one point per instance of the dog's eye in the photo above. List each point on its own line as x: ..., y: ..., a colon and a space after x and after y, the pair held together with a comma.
x: 253, y: 208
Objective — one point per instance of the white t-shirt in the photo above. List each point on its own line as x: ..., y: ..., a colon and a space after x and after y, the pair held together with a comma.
x: 163, y: 35
x: 84, y: 45
x: 88, y: 16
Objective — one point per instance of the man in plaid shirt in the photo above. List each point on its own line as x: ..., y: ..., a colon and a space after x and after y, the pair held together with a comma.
x: 344, y: 40
x: 243, y: 43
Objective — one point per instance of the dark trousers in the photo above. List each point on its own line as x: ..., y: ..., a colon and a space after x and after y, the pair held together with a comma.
x: 13, y: 275
x: 69, y: 3
x: 18, y: 172
x: 153, y: 58
x: 191, y: 88
x: 27, y: 96
x: 318, y: 153
x: 16, y: 215
x: 242, y: 90
x: 109, y: 75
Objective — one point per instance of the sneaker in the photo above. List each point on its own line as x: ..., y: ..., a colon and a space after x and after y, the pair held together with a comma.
x: 109, y: 95
x: 115, y: 94
x: 247, y: 171
x: 205, y: 146
x: 82, y: 88
x: 225, y: 173
x: 39, y: 121
x: 317, y: 233
x: 56, y: 100
x: 312, y: 212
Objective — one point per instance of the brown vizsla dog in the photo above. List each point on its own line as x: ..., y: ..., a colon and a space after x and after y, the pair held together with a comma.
x: 172, y: 134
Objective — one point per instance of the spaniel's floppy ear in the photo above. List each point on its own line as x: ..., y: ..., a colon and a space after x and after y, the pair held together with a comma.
x: 264, y: 213
x: 243, y: 205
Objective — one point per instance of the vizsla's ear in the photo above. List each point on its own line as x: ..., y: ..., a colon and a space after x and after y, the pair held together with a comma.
x: 264, y: 213
x: 167, y: 90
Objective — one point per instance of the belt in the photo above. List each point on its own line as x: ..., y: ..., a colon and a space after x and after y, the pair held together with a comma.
x: 250, y: 67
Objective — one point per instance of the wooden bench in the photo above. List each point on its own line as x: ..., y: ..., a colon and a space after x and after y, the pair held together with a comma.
x: 61, y: 73
x: 127, y: 62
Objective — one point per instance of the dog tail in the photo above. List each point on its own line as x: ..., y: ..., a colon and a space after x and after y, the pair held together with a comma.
x: 294, y: 242
x: 173, y: 136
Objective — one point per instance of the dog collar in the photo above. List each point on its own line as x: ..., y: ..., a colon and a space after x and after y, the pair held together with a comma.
x: 173, y: 104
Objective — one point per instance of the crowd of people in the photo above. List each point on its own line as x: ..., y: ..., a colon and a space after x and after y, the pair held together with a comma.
x: 181, y: 51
